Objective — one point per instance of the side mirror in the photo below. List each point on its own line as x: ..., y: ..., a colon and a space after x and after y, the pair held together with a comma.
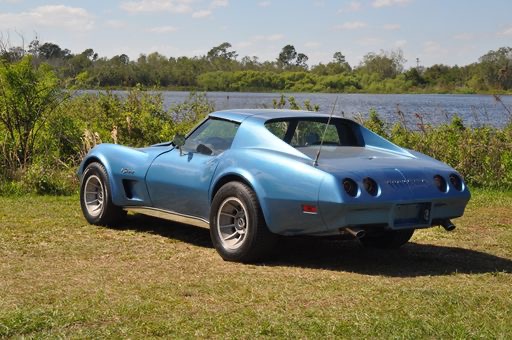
x: 203, y: 149
x: 179, y: 140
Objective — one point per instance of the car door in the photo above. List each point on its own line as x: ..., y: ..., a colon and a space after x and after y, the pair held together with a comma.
x: 179, y: 180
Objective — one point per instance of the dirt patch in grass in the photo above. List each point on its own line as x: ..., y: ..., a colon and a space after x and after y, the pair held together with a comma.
x: 60, y: 276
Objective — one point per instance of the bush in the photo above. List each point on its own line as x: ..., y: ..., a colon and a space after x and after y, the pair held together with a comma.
x: 137, y: 119
x: 47, y: 180
x: 483, y: 155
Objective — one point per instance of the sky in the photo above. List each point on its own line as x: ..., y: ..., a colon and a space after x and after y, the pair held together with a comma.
x: 451, y: 32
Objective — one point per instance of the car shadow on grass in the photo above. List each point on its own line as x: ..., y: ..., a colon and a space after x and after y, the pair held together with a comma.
x: 183, y: 232
x: 413, y: 259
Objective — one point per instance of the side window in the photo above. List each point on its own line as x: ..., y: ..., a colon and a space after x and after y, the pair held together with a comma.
x: 278, y: 128
x: 216, y: 134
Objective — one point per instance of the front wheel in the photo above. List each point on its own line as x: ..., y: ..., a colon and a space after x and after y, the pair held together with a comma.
x: 96, y: 198
x: 387, y: 239
x: 237, y: 227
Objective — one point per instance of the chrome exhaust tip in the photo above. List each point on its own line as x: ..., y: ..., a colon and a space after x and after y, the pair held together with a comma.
x: 448, y: 225
x: 356, y: 232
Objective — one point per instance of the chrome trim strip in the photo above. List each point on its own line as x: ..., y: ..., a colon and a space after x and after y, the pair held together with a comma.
x: 170, y: 215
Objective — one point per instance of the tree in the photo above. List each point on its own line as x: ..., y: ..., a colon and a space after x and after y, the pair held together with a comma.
x: 414, y: 76
x: 301, y: 61
x: 220, y: 58
x: 287, y: 55
x: 339, y: 58
x: 53, y: 51
x: 28, y: 95
x: 385, y: 64
x: 222, y: 52
x: 33, y: 47
x: 496, y: 68
x: 250, y: 63
x: 90, y: 54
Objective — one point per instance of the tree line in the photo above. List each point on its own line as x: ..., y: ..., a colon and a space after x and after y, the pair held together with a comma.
x: 221, y: 69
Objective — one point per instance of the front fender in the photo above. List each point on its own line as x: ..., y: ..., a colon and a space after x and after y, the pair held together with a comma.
x: 126, y: 169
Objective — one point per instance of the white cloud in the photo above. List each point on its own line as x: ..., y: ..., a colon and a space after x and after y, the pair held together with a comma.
x: 204, y: 13
x: 391, y: 27
x: 173, y: 6
x: 219, y: 3
x: 506, y: 32
x: 387, y: 3
x: 162, y: 29
x: 207, y: 12
x: 264, y: 3
x: 351, y: 25
x: 432, y: 47
x: 353, y: 6
x: 56, y: 16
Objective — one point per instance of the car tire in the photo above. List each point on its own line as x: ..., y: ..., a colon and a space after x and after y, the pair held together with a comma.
x: 237, y: 226
x: 96, y: 198
x: 389, y: 239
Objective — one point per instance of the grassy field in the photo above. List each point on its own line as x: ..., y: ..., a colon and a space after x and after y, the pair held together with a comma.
x: 60, y: 277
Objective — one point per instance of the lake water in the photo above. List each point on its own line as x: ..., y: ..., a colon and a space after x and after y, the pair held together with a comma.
x: 475, y: 110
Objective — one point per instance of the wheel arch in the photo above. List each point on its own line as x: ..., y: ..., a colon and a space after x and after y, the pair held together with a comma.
x: 247, y: 180
x: 103, y: 161
x: 88, y: 161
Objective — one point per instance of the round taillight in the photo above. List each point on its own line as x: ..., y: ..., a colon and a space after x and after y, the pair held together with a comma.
x: 440, y: 183
x: 350, y: 187
x: 371, y: 186
x: 456, y: 181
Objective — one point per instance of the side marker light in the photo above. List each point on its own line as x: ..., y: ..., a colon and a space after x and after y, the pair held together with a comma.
x: 309, y: 209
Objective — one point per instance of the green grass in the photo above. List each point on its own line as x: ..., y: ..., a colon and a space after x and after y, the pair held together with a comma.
x: 60, y: 277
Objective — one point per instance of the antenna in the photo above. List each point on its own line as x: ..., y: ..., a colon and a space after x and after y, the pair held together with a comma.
x: 323, y: 135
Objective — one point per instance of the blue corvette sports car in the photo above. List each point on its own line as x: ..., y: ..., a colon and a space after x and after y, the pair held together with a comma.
x: 252, y: 175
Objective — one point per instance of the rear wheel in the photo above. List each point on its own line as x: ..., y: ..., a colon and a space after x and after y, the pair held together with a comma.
x: 96, y: 198
x: 387, y: 239
x: 237, y: 227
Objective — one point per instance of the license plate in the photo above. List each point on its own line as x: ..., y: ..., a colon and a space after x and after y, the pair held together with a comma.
x: 412, y: 214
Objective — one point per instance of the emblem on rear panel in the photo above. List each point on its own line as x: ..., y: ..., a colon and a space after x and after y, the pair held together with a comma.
x: 401, y: 182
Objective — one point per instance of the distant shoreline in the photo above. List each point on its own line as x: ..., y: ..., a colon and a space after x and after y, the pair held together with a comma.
x: 187, y: 89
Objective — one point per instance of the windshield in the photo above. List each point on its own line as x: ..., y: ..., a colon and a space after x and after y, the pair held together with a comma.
x: 216, y: 134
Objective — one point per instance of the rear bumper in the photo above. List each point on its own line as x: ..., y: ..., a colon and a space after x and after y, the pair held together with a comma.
x: 394, y: 215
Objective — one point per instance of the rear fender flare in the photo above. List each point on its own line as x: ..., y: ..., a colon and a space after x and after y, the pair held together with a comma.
x: 244, y: 177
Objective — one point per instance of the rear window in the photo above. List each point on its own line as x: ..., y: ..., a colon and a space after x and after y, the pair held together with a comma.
x: 309, y: 131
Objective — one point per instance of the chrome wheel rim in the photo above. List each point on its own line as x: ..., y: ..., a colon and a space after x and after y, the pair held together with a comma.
x: 94, y: 195
x: 232, y: 223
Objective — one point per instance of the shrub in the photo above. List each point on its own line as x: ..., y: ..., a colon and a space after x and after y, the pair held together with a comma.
x: 483, y: 155
x: 135, y: 119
